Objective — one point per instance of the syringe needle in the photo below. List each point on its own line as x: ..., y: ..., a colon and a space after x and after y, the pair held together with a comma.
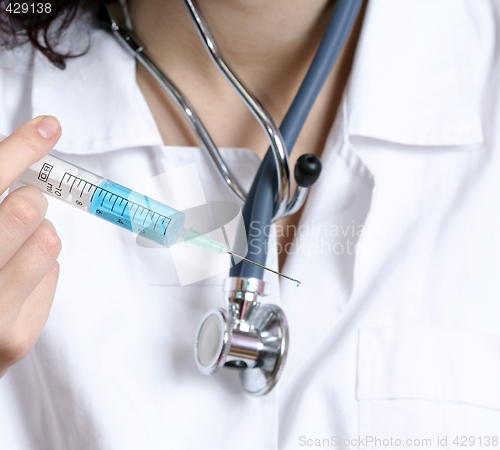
x: 297, y: 282
x: 193, y: 237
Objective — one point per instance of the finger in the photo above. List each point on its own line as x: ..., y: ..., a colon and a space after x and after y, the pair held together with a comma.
x: 25, y: 331
x: 21, y: 213
x: 36, y: 308
x: 20, y: 276
x: 25, y: 146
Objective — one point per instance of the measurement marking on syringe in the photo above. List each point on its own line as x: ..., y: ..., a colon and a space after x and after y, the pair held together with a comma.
x: 72, y: 184
x: 104, y: 193
x: 143, y: 209
x: 93, y: 193
x: 81, y: 193
x: 104, y: 198
x: 135, y: 212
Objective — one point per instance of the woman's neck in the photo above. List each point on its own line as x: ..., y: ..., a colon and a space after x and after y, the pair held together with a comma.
x: 262, y: 39
x: 270, y: 44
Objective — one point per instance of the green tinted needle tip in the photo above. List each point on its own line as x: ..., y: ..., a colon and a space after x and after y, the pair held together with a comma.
x: 193, y: 237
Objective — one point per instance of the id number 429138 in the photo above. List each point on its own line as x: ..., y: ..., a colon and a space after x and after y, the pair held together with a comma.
x: 29, y: 7
x: 480, y: 441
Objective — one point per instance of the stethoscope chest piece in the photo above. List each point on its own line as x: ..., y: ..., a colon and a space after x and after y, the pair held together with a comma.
x: 249, y: 336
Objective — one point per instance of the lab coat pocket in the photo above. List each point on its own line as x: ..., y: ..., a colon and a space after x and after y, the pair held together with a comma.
x: 429, y: 383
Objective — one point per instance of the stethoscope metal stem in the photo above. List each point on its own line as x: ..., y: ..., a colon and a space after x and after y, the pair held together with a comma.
x: 135, y: 47
x: 276, y: 140
x: 197, y: 125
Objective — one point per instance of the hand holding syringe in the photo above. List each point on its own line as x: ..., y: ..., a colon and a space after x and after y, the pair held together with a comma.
x: 29, y: 244
x: 116, y: 204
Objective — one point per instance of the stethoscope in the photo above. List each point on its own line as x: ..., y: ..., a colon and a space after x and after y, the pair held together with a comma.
x: 250, y: 336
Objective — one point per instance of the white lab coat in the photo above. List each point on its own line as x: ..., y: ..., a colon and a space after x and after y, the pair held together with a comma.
x: 399, y: 339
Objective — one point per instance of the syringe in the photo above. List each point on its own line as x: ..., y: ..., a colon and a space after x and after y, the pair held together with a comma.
x: 116, y: 204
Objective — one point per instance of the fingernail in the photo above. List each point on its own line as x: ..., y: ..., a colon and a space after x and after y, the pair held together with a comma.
x: 48, y: 127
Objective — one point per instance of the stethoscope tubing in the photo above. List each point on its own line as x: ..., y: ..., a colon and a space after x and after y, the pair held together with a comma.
x: 259, y: 208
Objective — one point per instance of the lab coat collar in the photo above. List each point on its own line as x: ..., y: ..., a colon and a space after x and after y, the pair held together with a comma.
x: 413, y: 81
x: 414, y: 78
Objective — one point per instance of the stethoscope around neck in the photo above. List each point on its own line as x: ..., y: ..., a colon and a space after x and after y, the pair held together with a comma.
x: 250, y: 336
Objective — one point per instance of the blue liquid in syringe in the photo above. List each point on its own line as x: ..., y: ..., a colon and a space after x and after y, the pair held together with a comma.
x: 114, y: 203
x: 135, y: 212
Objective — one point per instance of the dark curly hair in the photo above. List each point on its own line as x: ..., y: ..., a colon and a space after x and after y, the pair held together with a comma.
x: 41, y: 29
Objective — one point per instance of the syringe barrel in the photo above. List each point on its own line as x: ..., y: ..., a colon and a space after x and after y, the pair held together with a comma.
x: 60, y: 179
x: 105, y: 199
